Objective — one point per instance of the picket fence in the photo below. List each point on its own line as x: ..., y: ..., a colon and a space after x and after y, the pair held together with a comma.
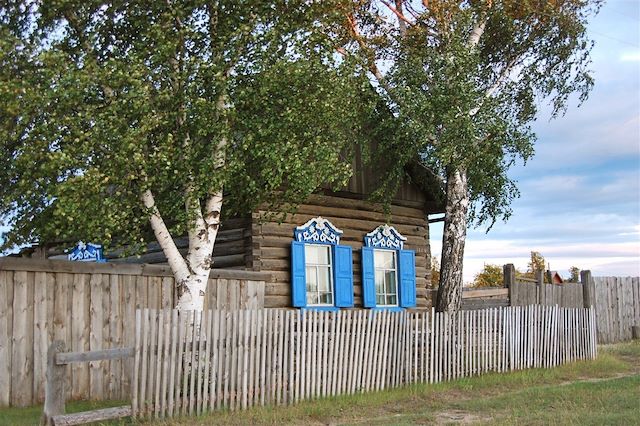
x: 188, y: 363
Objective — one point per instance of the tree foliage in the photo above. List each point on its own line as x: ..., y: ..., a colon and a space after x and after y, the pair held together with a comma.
x: 470, y: 107
x: 490, y: 276
x: 463, y: 79
x: 435, y: 272
x: 104, y: 100
x: 574, y: 274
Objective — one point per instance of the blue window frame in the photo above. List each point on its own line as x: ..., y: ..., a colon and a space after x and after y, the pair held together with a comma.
x: 321, y: 268
x: 388, y: 271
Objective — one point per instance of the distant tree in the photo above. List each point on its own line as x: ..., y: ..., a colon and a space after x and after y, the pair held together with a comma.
x: 435, y: 272
x: 490, y: 276
x: 537, y: 263
x: 574, y: 274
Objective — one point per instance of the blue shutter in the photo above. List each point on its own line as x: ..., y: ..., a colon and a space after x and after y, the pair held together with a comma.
x: 407, y: 288
x: 343, y: 276
x: 298, y: 275
x: 368, y: 278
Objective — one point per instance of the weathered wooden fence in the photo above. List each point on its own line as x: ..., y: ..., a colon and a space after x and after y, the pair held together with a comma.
x: 91, y: 307
x: 523, y: 291
x: 484, y: 298
x: 188, y: 363
x: 617, y: 304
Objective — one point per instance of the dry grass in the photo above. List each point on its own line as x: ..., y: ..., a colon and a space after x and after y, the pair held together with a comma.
x: 604, y: 391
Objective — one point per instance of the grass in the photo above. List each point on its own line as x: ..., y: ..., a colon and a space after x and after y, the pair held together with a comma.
x: 604, y: 391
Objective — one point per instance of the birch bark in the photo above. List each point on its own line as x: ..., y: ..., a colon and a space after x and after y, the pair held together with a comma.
x: 449, y: 297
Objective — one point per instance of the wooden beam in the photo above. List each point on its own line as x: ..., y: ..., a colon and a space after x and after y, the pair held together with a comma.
x: 485, y: 292
x: 92, y: 416
x: 33, y: 265
x: 69, y: 357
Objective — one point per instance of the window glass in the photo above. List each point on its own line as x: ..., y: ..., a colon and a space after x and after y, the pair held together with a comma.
x: 318, y: 268
x: 386, y: 276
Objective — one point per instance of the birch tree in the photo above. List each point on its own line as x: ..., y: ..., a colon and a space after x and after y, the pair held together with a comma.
x: 124, y: 121
x: 463, y: 80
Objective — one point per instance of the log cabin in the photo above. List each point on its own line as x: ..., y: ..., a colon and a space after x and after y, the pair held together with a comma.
x: 357, y: 241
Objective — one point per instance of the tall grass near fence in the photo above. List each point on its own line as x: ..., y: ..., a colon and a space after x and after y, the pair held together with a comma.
x: 192, y: 362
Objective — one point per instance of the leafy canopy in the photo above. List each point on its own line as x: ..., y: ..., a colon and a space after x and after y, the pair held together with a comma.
x: 490, y: 276
x: 103, y: 100
x: 469, y: 106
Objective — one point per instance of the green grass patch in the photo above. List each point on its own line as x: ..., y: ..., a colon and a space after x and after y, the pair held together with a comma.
x: 603, y: 391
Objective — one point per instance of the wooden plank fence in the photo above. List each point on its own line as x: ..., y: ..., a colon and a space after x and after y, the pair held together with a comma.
x: 91, y: 307
x: 617, y: 304
x: 187, y: 363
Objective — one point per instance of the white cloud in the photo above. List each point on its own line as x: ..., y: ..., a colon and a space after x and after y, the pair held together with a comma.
x: 630, y: 57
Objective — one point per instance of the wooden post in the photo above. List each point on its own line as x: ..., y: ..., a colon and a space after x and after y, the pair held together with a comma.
x: 509, y: 278
x: 588, y: 288
x: 539, y: 284
x: 54, y: 393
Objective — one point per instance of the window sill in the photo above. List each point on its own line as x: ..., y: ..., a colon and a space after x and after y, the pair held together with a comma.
x: 388, y: 308
x: 320, y: 308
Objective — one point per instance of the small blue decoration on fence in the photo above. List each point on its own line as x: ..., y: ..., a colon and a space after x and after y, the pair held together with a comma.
x: 386, y: 237
x: 318, y: 230
x: 88, y: 252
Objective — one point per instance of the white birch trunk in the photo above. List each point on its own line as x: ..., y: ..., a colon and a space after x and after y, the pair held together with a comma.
x: 449, y: 296
x: 202, y: 236
x: 191, y: 273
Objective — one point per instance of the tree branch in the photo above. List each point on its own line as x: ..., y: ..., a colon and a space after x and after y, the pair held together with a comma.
x: 476, y: 33
x: 402, y: 20
x: 502, y: 77
x: 176, y: 262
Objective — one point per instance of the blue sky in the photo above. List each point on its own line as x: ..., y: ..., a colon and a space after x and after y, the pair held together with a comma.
x: 580, y: 194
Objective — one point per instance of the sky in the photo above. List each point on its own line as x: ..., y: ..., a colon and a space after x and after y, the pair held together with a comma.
x: 580, y: 194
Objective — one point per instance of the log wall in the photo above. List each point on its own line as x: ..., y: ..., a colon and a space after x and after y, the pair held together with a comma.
x: 232, y: 249
x: 272, y: 241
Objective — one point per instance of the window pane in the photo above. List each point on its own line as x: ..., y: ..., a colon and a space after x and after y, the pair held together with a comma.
x: 392, y: 300
x: 317, y: 255
x: 391, y: 282
x: 326, y: 298
x: 384, y: 259
x: 323, y: 255
x: 324, y: 281
x: 311, y: 254
x: 380, y: 300
x: 379, y: 282
x: 312, y: 281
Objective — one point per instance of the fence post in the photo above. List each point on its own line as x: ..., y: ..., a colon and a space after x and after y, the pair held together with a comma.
x: 539, y: 285
x: 54, y: 392
x: 588, y: 288
x: 509, y: 278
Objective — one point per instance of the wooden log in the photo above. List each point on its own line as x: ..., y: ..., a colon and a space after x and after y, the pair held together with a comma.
x: 92, y: 416
x: 54, y: 400
x: 115, y: 353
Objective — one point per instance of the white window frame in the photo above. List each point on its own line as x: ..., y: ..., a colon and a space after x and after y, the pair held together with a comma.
x: 316, y: 267
x: 376, y: 268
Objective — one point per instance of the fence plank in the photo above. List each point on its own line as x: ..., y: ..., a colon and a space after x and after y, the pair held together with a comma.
x: 6, y: 331
x: 20, y: 332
